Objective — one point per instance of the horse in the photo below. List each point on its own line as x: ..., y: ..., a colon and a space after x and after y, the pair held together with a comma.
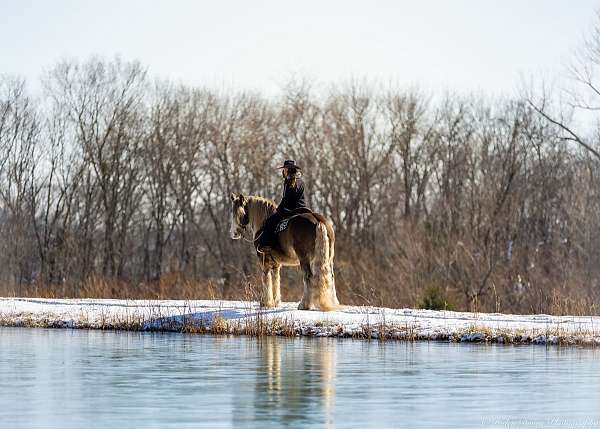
x: 307, y: 240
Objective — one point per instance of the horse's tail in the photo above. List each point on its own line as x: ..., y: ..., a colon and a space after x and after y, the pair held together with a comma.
x: 321, y: 267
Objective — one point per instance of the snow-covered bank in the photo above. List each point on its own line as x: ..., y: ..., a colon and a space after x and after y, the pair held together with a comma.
x: 247, y: 318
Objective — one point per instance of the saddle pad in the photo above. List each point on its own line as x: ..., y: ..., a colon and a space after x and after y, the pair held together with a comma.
x: 281, y: 226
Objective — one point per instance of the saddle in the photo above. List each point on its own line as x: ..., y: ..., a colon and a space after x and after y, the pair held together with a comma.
x: 304, y: 212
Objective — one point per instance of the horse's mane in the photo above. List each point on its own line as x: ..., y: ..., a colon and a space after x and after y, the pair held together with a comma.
x: 260, y: 208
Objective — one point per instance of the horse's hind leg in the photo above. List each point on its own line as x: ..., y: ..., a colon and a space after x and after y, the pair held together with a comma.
x: 276, y: 285
x: 266, y: 296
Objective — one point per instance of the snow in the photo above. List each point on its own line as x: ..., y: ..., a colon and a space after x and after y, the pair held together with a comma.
x: 348, y: 321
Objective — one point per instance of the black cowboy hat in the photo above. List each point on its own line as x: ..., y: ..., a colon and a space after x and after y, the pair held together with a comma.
x: 290, y: 163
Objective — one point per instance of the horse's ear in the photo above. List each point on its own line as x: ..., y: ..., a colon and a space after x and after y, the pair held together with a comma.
x: 233, y: 196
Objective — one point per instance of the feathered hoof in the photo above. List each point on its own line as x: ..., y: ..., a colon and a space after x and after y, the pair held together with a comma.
x: 332, y: 307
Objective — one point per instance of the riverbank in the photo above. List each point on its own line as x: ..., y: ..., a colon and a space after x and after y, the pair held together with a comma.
x: 238, y: 317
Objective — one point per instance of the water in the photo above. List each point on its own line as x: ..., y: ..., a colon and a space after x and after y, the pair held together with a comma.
x: 77, y: 379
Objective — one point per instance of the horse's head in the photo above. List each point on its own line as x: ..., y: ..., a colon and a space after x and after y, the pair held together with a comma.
x: 239, y: 215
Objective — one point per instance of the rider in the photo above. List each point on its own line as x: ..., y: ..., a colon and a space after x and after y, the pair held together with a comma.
x: 293, y: 199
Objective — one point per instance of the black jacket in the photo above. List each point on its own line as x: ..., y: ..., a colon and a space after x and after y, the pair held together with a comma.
x: 293, y: 197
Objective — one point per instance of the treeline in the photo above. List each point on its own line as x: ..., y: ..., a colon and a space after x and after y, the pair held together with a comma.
x: 113, y: 183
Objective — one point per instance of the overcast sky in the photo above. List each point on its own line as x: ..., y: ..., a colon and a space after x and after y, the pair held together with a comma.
x: 465, y: 45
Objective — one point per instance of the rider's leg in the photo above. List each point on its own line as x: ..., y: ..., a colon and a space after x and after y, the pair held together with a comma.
x: 267, y: 238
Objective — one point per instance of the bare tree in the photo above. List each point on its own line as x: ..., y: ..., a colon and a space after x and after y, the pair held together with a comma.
x: 19, y: 150
x: 111, y: 185
x: 581, y: 99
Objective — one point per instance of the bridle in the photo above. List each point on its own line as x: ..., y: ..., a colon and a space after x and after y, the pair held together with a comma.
x: 241, y: 229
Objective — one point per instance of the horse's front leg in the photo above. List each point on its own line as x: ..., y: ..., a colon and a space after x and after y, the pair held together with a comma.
x: 266, y: 296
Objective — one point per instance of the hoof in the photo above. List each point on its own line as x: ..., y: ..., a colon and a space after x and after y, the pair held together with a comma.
x: 303, y: 306
x: 267, y: 305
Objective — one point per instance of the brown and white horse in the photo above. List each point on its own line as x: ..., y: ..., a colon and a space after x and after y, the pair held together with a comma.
x: 308, y: 241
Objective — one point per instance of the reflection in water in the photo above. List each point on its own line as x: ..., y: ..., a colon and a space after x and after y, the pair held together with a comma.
x: 291, y: 384
x: 270, y: 352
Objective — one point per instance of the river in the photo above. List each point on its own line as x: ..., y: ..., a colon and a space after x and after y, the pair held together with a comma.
x: 85, y: 378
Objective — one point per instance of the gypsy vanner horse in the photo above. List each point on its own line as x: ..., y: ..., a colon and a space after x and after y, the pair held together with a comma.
x: 305, y: 239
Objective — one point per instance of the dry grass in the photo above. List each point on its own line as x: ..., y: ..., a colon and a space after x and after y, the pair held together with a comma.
x: 258, y: 325
x: 170, y: 286
x: 353, y: 289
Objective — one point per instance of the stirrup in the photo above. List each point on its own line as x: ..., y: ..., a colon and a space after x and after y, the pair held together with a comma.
x: 264, y: 249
